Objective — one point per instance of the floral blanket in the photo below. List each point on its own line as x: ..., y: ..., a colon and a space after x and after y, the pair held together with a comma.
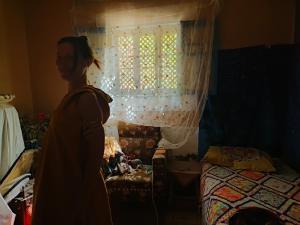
x: 224, y: 191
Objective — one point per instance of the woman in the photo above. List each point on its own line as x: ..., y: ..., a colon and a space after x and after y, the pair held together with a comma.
x: 69, y: 188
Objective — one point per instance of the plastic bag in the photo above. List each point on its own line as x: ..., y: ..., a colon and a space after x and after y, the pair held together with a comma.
x: 7, y: 217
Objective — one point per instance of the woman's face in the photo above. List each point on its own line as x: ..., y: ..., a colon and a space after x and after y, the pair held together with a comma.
x: 65, y: 62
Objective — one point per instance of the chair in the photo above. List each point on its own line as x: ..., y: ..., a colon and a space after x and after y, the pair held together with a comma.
x: 142, y: 175
x: 16, y: 187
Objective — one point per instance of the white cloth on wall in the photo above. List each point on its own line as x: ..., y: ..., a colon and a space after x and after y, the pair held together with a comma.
x: 11, y: 139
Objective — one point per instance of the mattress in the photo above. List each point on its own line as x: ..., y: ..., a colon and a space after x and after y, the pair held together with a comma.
x: 224, y: 191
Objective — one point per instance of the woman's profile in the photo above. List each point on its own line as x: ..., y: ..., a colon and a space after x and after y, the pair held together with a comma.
x: 69, y: 188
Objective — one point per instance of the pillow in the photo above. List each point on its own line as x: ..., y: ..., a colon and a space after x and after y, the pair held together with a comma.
x: 240, y: 158
x: 138, y: 131
x: 139, y: 148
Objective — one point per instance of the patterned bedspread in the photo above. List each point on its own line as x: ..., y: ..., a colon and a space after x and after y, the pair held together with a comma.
x: 225, y: 190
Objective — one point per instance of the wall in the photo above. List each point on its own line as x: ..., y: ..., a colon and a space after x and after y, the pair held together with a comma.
x: 5, y: 84
x: 47, y: 21
x: 256, y: 22
x: 14, y: 68
x: 297, y: 23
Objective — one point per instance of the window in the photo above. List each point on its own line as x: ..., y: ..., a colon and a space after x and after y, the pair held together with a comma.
x: 141, y: 68
x: 147, y: 58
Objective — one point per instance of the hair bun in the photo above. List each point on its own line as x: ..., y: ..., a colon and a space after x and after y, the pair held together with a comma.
x: 83, y: 38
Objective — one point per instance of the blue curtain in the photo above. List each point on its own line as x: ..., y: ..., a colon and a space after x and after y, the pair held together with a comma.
x: 292, y: 139
x: 249, y: 106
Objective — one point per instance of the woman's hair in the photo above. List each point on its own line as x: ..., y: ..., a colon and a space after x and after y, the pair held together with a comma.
x: 81, y: 48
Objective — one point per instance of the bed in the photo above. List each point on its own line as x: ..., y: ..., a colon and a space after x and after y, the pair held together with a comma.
x: 225, y: 190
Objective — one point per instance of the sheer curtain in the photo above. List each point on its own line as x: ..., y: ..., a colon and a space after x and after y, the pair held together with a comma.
x: 155, y: 67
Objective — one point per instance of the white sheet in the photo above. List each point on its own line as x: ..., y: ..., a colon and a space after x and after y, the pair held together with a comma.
x: 11, y: 139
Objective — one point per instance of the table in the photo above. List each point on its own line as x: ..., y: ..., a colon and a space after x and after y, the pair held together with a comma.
x: 184, y: 174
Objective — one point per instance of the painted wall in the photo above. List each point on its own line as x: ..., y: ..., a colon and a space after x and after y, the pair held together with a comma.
x: 297, y: 23
x: 255, y: 22
x: 47, y: 21
x: 14, y: 67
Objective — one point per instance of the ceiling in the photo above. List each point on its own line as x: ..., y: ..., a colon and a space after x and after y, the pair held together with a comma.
x: 118, y: 12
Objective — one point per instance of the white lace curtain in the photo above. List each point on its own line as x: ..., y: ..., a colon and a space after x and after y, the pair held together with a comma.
x: 158, y: 73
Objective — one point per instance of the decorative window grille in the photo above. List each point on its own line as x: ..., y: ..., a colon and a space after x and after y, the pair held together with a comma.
x: 148, y: 58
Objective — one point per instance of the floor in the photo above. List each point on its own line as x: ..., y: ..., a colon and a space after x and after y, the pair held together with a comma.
x: 183, y: 218
x: 183, y: 212
x: 180, y: 212
x: 181, y: 209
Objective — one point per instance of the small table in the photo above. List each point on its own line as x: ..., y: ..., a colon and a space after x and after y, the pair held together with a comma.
x: 184, y: 173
